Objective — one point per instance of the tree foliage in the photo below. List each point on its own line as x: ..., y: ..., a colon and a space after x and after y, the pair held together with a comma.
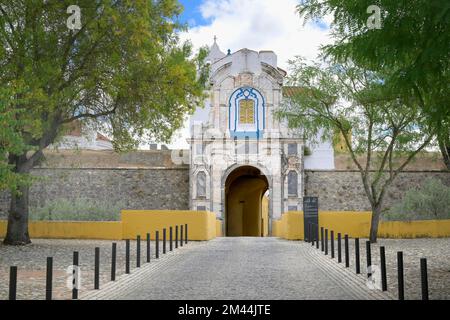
x: 412, y: 45
x: 124, y: 70
x: 430, y: 201
x: 10, y: 143
x: 352, y: 101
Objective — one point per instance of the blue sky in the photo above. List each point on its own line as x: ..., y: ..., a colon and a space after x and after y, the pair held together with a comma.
x: 254, y: 24
x: 192, y: 14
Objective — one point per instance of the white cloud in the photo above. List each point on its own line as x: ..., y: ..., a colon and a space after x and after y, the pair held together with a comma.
x: 258, y: 25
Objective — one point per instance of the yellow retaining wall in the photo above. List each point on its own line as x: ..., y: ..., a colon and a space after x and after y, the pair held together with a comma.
x: 71, y: 230
x: 290, y: 226
x: 277, y: 230
x: 3, y: 225
x: 357, y: 225
x: 76, y: 230
x: 219, y: 232
x: 202, y: 226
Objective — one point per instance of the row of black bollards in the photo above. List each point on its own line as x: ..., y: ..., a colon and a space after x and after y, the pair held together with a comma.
x: 183, y: 239
x: 313, y: 238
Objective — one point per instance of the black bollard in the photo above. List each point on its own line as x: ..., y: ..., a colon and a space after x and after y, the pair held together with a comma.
x: 127, y: 256
x: 401, y: 281
x: 113, y: 261
x: 164, y: 240
x: 369, y: 259
x: 332, y: 244
x: 176, y: 237
x: 13, y: 283
x: 171, y: 238
x: 424, y: 277
x: 138, y: 251
x: 186, y: 227
x: 322, y: 244
x: 347, y: 253
x: 313, y: 236
x: 148, y: 248
x: 383, y: 269
x: 339, y: 248
x: 326, y: 242
x: 49, y: 279
x: 316, y: 230
x: 308, y: 234
x: 181, y: 235
x: 357, y: 262
x: 157, y: 245
x: 75, y: 275
x: 97, y: 269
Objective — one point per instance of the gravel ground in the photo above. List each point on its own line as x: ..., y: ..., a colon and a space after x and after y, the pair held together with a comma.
x: 31, y: 263
x: 437, y: 252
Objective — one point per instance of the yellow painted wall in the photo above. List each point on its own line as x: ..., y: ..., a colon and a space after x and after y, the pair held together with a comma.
x: 357, y: 225
x: 265, y: 215
x: 244, y: 207
x: 277, y: 230
x: 201, y: 226
x: 290, y: 226
x: 219, y: 225
x: 3, y: 225
x: 340, y: 146
x: 71, y: 230
x: 76, y: 230
x: 204, y: 226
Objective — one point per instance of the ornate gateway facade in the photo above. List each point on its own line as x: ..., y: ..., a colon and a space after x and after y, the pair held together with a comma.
x: 245, y: 165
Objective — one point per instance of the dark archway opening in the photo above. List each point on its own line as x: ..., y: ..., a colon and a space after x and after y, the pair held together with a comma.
x: 247, y: 205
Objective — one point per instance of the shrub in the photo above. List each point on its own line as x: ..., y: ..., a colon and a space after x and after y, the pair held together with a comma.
x: 431, y: 201
x: 77, y: 210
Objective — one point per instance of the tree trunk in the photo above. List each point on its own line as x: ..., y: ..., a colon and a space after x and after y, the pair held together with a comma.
x: 376, y: 214
x: 445, y: 150
x: 17, y: 232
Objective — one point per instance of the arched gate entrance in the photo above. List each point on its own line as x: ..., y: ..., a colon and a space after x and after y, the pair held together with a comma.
x: 246, y: 203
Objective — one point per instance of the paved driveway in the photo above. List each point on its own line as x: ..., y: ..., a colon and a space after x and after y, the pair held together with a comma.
x: 239, y: 268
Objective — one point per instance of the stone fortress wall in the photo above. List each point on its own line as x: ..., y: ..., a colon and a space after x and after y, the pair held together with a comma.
x: 149, y: 180
x: 342, y: 190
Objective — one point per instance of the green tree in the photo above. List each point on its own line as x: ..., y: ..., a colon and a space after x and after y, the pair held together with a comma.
x: 10, y: 143
x: 412, y: 43
x: 429, y: 202
x: 123, y: 70
x: 350, y: 100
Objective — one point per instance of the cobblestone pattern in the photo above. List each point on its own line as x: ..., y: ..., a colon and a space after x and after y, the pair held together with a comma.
x: 240, y: 268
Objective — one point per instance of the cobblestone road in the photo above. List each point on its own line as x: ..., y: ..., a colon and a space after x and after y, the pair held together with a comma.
x: 240, y: 268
